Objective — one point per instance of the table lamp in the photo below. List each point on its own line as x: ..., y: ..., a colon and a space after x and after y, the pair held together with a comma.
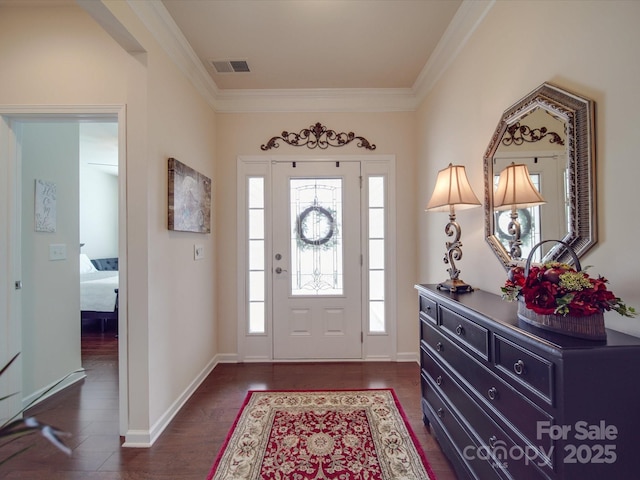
x: 453, y: 190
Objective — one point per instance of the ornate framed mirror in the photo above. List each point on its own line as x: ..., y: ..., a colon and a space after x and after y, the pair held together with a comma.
x: 551, y: 131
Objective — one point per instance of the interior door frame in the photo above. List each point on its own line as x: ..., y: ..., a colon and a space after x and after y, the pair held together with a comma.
x: 9, y: 159
x: 258, y: 347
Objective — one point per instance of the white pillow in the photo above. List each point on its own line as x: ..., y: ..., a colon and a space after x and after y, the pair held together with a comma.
x: 85, y: 264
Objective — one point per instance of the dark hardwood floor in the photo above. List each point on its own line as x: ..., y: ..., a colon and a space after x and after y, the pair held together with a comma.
x: 187, y: 448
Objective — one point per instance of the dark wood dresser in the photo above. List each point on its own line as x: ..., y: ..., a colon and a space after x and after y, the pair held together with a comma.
x: 507, y: 400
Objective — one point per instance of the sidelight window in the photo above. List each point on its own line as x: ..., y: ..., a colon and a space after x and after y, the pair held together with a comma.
x: 256, y: 251
x: 376, y: 240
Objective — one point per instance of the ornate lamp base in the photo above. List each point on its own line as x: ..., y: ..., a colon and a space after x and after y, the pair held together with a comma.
x: 455, y: 286
x: 454, y: 252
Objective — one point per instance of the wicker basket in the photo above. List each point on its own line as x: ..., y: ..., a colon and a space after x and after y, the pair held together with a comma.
x: 590, y: 327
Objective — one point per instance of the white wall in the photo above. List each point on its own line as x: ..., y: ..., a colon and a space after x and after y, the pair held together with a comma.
x: 98, y: 212
x: 585, y: 47
x: 99, y: 189
x: 50, y: 308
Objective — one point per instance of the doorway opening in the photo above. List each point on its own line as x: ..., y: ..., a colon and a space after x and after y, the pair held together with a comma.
x: 44, y: 147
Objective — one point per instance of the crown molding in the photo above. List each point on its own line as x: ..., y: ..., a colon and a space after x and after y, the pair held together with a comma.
x: 316, y: 100
x: 156, y: 18
x: 464, y: 23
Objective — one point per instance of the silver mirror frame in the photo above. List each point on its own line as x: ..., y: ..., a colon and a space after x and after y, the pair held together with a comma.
x: 578, y: 114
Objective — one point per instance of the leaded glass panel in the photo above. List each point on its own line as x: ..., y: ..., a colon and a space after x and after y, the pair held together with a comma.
x: 316, y: 236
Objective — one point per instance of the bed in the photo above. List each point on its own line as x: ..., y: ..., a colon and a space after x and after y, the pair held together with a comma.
x: 98, y: 292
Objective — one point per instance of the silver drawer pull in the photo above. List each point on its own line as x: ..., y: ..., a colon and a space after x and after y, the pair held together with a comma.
x: 459, y: 330
x: 439, y: 346
x: 439, y: 380
x: 493, y: 393
x: 440, y: 412
x: 518, y: 367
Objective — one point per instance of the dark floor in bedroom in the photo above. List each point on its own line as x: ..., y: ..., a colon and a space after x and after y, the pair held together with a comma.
x: 187, y: 448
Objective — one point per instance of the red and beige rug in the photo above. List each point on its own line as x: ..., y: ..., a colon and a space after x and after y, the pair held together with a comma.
x: 316, y: 435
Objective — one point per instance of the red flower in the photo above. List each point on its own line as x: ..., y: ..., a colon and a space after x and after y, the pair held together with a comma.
x: 557, y: 288
x: 541, y: 297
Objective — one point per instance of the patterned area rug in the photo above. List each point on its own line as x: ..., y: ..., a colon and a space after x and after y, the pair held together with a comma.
x: 317, y: 435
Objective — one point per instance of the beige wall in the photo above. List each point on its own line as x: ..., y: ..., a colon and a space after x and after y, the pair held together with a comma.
x: 182, y: 321
x: 585, y: 47
x: 242, y: 134
x: 61, y: 56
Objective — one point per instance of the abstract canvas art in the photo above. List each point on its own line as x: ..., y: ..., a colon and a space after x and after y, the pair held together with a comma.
x: 189, y: 199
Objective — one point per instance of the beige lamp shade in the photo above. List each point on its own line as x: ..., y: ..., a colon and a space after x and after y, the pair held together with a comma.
x: 452, y: 188
x: 515, y: 189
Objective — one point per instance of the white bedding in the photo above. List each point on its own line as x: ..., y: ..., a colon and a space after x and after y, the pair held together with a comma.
x: 97, y: 291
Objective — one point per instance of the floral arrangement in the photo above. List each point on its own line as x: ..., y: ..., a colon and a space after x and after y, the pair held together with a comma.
x: 558, y: 289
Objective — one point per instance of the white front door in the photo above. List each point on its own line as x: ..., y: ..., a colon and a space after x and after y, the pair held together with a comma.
x: 316, y: 260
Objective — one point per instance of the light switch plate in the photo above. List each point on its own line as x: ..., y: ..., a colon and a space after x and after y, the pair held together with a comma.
x: 198, y: 252
x: 57, y: 251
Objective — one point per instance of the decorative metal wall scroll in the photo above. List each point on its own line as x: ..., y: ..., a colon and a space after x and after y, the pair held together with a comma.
x: 517, y: 134
x: 317, y: 136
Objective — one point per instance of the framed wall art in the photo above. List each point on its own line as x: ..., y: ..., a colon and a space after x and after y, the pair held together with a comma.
x: 189, y: 199
x: 45, y: 206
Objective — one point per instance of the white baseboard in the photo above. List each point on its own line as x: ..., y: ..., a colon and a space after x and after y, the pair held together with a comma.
x: 401, y: 357
x: 408, y: 357
x: 146, y: 438
x: 226, y: 358
x: 53, y: 388
x: 137, y: 439
x: 377, y: 358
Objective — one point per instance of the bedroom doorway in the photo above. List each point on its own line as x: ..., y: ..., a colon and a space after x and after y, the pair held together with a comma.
x: 98, y: 232
x: 42, y: 165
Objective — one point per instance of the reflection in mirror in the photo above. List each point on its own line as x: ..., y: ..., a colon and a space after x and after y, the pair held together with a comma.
x: 550, y: 132
x: 516, y: 191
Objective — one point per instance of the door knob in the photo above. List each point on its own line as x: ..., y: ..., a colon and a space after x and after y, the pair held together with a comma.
x: 280, y: 270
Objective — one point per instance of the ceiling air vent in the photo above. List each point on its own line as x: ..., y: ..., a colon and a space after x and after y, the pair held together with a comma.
x: 230, y: 66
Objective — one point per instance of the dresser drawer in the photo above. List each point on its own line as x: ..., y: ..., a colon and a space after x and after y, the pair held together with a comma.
x: 512, y: 459
x: 515, y: 411
x: 525, y: 367
x: 446, y: 423
x: 465, y: 331
x: 429, y: 308
x: 446, y: 350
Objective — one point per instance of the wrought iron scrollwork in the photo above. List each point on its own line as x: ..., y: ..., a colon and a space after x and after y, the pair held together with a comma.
x: 317, y: 136
x: 517, y: 134
x: 454, y: 252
